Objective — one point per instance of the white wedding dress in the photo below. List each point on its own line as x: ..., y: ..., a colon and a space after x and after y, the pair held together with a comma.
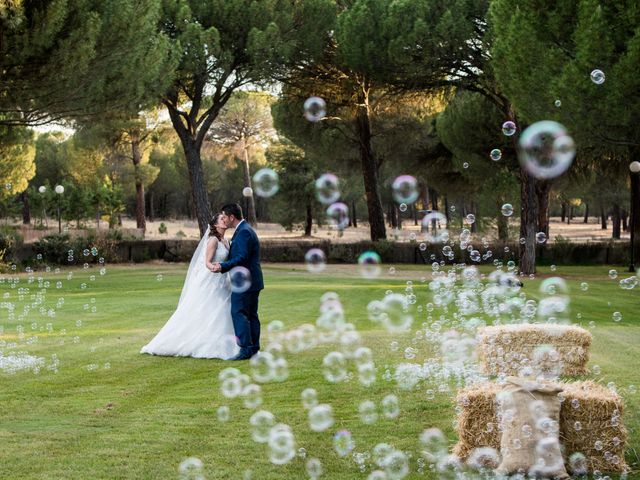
x: 201, y: 326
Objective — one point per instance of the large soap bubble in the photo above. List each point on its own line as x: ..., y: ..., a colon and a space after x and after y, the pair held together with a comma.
x: 546, y: 149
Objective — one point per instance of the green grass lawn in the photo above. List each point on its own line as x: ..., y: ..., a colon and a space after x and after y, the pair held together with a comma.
x: 110, y: 412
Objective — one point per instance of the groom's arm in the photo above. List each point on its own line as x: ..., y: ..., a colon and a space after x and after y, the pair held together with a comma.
x: 240, y: 251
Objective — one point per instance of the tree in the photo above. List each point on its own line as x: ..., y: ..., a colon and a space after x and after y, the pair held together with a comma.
x: 17, y: 166
x: 75, y: 60
x: 246, y: 124
x: 127, y: 137
x: 297, y: 173
x: 467, y: 129
x: 566, y: 41
x: 225, y: 45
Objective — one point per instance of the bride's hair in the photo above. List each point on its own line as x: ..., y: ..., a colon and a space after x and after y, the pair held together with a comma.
x: 213, y: 231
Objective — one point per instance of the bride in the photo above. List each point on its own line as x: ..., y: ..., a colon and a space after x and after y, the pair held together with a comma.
x: 201, y: 326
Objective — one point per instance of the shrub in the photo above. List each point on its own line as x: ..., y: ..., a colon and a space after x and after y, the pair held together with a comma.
x: 181, y: 234
x: 8, y: 240
x: 163, y: 228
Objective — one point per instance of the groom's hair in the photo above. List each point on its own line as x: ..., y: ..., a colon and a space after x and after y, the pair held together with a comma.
x: 233, y: 209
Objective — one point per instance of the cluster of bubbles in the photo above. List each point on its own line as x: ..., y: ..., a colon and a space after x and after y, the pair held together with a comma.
x: 33, y: 301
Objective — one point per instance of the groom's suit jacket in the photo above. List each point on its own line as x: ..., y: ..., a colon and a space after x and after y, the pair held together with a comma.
x: 245, y: 252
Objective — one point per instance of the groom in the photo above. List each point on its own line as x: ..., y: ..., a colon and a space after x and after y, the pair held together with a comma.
x: 244, y: 252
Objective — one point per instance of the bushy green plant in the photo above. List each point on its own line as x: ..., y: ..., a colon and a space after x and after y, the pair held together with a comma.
x: 8, y: 240
x: 162, y: 229
x: 181, y: 234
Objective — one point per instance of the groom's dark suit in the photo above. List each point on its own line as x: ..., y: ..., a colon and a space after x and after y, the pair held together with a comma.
x: 245, y: 252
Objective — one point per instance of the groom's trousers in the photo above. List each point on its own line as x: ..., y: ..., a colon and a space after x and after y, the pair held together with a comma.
x: 244, y: 311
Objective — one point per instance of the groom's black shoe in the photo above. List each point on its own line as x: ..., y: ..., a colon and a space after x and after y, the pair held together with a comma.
x: 242, y: 355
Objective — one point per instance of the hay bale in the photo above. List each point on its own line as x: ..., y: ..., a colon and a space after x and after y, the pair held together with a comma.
x: 598, y: 409
x: 511, y: 349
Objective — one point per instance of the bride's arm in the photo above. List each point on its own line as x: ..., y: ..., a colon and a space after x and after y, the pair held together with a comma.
x: 211, y: 251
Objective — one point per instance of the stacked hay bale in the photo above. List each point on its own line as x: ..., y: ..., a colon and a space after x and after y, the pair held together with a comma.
x: 510, y: 349
x: 589, y: 423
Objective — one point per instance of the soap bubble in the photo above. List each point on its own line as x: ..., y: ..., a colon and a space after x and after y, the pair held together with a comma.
x: 434, y: 444
x: 334, y: 367
x: 405, y: 189
x: 546, y: 149
x: 396, y: 465
x: 316, y: 260
x: 343, y: 443
x: 42, y: 189
x: 247, y: 192
x: 282, y: 446
x: 223, y: 413
x: 240, y: 279
x: 396, y: 316
x: 495, y: 154
x: 617, y: 316
x: 261, y: 423
x: 541, y: 237
x: 320, y: 417
x: 434, y: 224
x: 369, y: 264
x: 402, y: 207
x: 315, y: 109
x: 634, y: 166
x: 338, y: 215
x: 509, y: 128
x: 309, y: 398
x: 367, y: 411
x: 613, y: 274
x: 327, y: 188
x: 314, y: 468
x: 390, y: 406
x: 191, y: 468
x: 252, y: 396
x: 470, y: 219
x: 266, y: 182
x: 507, y: 210
x: 578, y: 464
x: 558, y: 103
x: 597, y: 76
x: 483, y: 458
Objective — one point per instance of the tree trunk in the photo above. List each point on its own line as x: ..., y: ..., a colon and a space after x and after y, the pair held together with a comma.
x: 26, y: 209
x: 625, y: 225
x: 528, y: 219
x: 393, y: 218
x: 308, y: 224
x: 634, y: 219
x: 136, y: 155
x: 434, y: 200
x: 503, y: 225
x: 615, y: 221
x: 586, y: 213
x: 474, y: 225
x: 570, y: 216
x: 603, y: 218
x: 354, y: 214
x: 398, y: 216
x: 446, y: 209
x: 369, y: 167
x: 251, y: 204
x: 191, y: 145
x: 563, y: 212
x: 152, y: 213
x: 542, y: 196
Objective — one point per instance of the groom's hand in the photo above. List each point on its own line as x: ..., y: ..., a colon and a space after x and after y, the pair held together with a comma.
x: 216, y: 268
